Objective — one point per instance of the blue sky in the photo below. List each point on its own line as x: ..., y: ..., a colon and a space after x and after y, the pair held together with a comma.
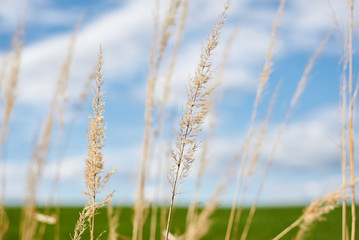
x: 307, y: 163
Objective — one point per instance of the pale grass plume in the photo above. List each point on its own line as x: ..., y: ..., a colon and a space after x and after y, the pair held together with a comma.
x: 4, y: 66
x: 38, y: 159
x: 177, y: 44
x: 204, y: 158
x: 300, y: 88
x: 162, y: 106
x: 313, y: 213
x: 95, y: 177
x: 156, y: 58
x: 9, y: 84
x: 61, y: 105
x: 268, y: 64
x: 28, y: 224
x: 195, y: 112
x: 203, y: 163
x: 351, y: 113
x: 193, y: 220
x: 264, y: 77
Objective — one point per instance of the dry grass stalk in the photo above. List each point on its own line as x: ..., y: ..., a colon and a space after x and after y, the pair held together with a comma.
x: 295, y: 98
x: 95, y: 180
x: 4, y: 222
x: 162, y: 106
x: 10, y: 98
x: 343, y: 142
x: 4, y: 65
x: 113, y: 222
x: 195, y: 112
x: 202, y: 220
x: 203, y: 162
x: 262, y: 82
x: 255, y: 156
x: 155, y: 63
x: 267, y: 69
x: 204, y: 153
x: 177, y: 44
x: 39, y: 156
x: 313, y: 213
x: 351, y: 125
x: 193, y: 221
x: 262, y: 131
x: 201, y: 223
x: 61, y: 105
x: 304, y: 79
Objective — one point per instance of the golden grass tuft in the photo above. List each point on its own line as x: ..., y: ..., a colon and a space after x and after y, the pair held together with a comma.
x: 10, y: 88
x: 195, y: 112
x: 94, y: 171
x: 314, y: 212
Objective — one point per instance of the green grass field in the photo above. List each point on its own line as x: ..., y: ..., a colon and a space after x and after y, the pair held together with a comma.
x: 267, y: 223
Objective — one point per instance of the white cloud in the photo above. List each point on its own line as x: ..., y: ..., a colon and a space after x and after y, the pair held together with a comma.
x: 122, y: 36
x: 308, y: 142
x: 125, y: 35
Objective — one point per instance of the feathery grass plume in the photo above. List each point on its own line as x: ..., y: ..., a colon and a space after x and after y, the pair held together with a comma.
x: 4, y: 66
x: 267, y: 69
x: 195, y: 112
x: 10, y: 87
x: 313, y: 213
x: 212, y: 109
x: 35, y: 170
x: 351, y: 124
x: 155, y: 61
x: 203, y: 162
x: 262, y: 82
x: 300, y: 88
x: 177, y: 44
x: 94, y: 171
x: 161, y: 109
x: 38, y: 159
x: 62, y: 102
x: 193, y: 220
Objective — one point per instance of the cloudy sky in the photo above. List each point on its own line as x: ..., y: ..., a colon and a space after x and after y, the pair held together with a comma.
x: 307, y: 163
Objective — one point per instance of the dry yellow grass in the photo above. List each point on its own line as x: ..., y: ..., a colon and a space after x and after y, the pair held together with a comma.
x: 155, y: 61
x: 314, y: 212
x: 94, y: 171
x: 10, y: 87
x: 195, y: 112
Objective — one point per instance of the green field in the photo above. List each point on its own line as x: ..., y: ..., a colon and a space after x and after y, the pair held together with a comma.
x: 267, y: 223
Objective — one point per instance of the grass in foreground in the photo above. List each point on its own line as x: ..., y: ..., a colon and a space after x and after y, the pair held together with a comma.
x: 267, y: 223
